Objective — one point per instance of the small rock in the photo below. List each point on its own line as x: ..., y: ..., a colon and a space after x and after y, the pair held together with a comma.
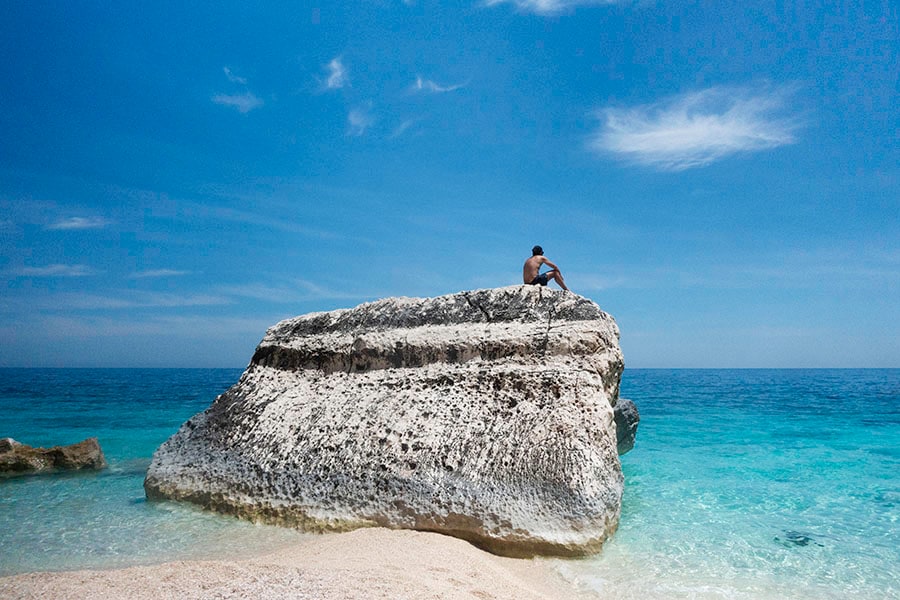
x: 18, y: 459
x: 627, y: 419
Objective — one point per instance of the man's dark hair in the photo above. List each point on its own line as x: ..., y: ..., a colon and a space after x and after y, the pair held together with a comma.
x: 537, y: 250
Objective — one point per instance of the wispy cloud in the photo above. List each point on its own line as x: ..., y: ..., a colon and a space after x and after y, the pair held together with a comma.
x: 295, y: 290
x: 779, y: 269
x: 57, y: 270
x: 278, y: 222
x: 696, y: 129
x: 131, y: 300
x: 358, y: 121
x: 403, y: 127
x: 337, y: 74
x: 68, y: 302
x: 234, y: 78
x: 74, y: 223
x: 244, y: 103
x: 158, y: 273
x: 426, y: 85
x: 124, y: 325
x: 548, y: 7
x: 150, y: 300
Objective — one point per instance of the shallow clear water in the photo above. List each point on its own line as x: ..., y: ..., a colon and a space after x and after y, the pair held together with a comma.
x: 742, y: 484
x: 97, y: 520
x: 757, y: 484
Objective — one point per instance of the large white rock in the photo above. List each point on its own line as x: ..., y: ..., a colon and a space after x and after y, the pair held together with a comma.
x: 486, y: 415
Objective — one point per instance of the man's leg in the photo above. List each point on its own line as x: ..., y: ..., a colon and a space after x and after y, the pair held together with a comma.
x: 558, y: 278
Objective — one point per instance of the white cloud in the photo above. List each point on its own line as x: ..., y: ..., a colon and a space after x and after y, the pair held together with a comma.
x: 358, y: 121
x: 125, y: 325
x: 132, y: 300
x: 244, y: 103
x: 234, y: 78
x: 403, y: 127
x: 74, y: 223
x: 128, y: 300
x: 696, y: 129
x: 296, y: 290
x: 548, y: 7
x: 158, y: 273
x: 426, y: 85
x: 337, y: 75
x: 57, y: 270
x: 279, y: 222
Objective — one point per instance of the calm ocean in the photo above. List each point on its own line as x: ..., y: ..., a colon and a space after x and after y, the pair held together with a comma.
x: 742, y: 484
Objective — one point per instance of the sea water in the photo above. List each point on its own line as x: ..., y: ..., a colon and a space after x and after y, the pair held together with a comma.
x: 757, y: 484
x: 743, y: 484
x: 102, y: 519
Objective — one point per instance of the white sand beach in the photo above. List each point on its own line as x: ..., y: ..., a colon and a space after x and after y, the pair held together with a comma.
x: 362, y: 564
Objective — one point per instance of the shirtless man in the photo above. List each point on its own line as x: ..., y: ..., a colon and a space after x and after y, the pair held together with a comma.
x: 531, y: 272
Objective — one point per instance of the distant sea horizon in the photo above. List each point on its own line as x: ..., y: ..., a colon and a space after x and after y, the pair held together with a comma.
x: 744, y: 483
x: 627, y: 367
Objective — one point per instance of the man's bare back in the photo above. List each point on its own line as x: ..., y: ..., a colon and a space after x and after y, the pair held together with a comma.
x: 532, y: 268
x: 531, y: 272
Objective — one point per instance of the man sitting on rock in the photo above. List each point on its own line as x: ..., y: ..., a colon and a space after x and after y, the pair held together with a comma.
x: 531, y: 272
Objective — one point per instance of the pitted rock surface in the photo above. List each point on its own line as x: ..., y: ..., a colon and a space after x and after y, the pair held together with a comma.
x: 487, y: 415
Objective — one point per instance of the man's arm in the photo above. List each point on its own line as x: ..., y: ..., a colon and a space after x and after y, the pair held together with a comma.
x: 547, y: 262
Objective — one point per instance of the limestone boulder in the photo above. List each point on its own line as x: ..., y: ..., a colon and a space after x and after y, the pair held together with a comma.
x: 18, y: 459
x: 486, y: 415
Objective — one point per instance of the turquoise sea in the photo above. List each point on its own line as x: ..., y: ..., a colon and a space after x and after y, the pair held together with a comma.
x: 743, y: 483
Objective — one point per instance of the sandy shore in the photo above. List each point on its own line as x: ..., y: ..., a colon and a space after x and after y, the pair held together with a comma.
x: 363, y: 564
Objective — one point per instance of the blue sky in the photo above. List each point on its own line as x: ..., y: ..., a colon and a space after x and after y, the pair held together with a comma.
x: 722, y: 178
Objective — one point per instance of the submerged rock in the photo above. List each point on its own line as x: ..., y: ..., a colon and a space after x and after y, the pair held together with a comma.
x: 487, y: 415
x: 796, y: 538
x: 19, y: 459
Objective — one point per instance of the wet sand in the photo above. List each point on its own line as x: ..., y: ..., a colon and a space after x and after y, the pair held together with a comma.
x: 363, y: 564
